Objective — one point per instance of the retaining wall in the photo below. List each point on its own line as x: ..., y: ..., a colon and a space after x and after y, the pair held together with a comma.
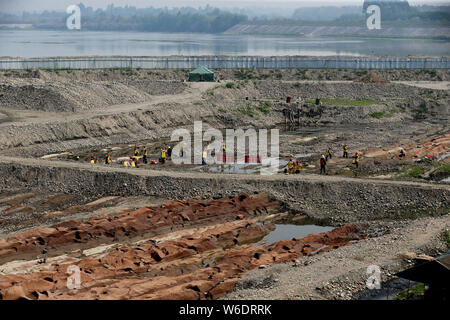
x: 224, y: 62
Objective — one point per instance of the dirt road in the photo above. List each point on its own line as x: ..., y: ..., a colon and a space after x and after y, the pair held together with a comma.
x: 204, y: 176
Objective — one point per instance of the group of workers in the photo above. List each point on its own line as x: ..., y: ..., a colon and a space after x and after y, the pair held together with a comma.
x: 134, y: 160
x: 295, y: 166
x: 329, y: 154
x: 165, y: 153
x: 208, y: 147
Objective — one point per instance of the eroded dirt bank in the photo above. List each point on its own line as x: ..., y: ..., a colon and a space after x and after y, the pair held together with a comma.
x: 199, y: 261
x: 340, y: 199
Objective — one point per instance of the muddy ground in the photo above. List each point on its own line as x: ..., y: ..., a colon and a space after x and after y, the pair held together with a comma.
x: 194, y: 232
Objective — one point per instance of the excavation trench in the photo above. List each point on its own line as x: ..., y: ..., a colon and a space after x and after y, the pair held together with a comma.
x: 136, y: 255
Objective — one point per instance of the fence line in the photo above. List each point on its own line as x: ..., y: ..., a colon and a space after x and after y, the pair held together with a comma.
x: 227, y: 62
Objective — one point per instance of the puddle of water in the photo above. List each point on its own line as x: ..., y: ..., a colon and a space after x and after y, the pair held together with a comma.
x: 444, y: 156
x: 305, y: 155
x: 290, y: 231
x: 247, y: 168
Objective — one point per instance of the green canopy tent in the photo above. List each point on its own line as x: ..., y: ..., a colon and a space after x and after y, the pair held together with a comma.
x: 201, y: 74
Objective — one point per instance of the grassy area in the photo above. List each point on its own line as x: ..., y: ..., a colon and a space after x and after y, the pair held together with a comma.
x: 384, y: 114
x: 210, y: 92
x: 411, y: 293
x: 245, y: 74
x: 264, y: 107
x: 247, y: 111
x: 343, y: 102
x: 446, y: 237
x: 413, y: 172
x: 251, y: 111
x: 230, y: 85
x: 444, y: 168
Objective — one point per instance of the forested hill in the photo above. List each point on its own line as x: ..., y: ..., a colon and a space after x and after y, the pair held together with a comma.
x: 208, y: 19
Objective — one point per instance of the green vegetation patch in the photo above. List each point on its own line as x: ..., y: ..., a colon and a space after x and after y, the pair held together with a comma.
x: 444, y: 168
x: 413, y: 172
x: 423, y: 108
x: 210, y: 92
x: 264, y: 107
x: 411, y: 293
x: 247, y: 111
x: 446, y: 237
x: 245, y: 74
x: 384, y: 114
x: 343, y: 102
x: 230, y: 85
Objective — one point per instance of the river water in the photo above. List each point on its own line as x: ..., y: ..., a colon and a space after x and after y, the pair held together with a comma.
x: 38, y: 43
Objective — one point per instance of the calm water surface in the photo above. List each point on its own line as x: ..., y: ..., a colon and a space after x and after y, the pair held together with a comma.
x: 36, y: 43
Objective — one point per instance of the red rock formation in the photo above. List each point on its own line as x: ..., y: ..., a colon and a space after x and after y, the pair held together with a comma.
x: 191, y: 267
x: 148, y: 221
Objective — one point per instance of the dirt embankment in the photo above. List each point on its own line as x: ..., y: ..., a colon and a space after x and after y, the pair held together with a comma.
x: 120, y: 106
x: 227, y: 74
x: 338, y: 198
x: 72, y: 96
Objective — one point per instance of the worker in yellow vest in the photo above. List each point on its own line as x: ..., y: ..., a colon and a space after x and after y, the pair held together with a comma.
x: 144, y: 155
x: 136, y: 150
x: 93, y: 159
x: 224, y: 152
x: 345, y: 151
x: 204, y: 154
x: 290, y: 167
x: 297, y: 167
x: 356, y: 156
x: 328, y: 154
x: 163, y: 155
x: 136, y: 161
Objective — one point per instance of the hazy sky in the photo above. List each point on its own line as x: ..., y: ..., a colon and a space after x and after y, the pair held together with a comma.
x: 60, y: 5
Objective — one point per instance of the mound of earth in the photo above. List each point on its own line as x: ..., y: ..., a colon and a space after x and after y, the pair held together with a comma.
x: 372, y: 77
x: 63, y: 96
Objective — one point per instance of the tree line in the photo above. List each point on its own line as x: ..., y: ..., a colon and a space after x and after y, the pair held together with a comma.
x: 212, y: 20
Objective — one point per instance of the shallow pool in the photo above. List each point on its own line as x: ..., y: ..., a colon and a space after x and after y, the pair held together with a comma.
x: 289, y: 231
